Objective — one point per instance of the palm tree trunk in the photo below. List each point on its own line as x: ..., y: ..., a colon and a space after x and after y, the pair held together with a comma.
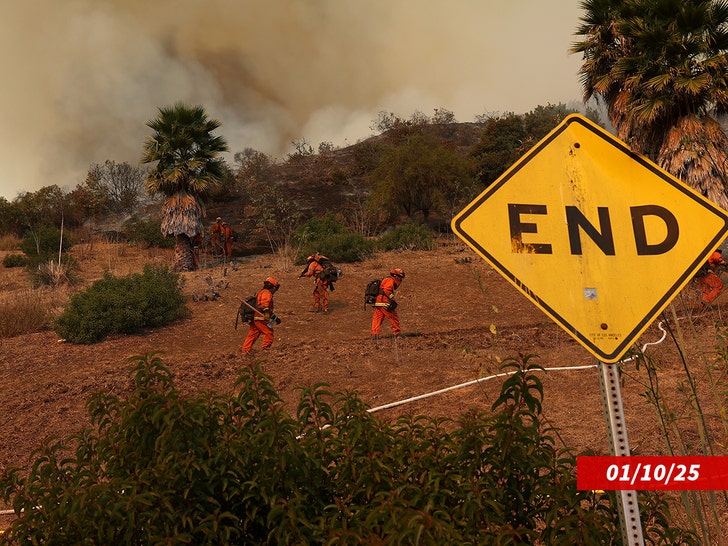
x: 183, y: 257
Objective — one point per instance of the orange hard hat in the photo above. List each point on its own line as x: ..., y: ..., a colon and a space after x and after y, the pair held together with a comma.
x: 397, y: 272
x: 274, y: 283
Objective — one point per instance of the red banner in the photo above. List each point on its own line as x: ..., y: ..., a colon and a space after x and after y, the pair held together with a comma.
x: 649, y: 473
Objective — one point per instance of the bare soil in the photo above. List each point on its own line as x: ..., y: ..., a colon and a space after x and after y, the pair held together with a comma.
x: 460, y: 321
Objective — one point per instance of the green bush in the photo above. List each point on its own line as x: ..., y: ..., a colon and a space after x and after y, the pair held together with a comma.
x: 15, y: 260
x: 122, y: 305
x: 147, y: 233
x: 408, y: 236
x: 44, y: 242
x: 331, y: 238
x: 161, y: 467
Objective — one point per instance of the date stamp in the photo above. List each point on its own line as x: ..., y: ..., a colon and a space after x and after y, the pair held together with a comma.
x: 651, y: 473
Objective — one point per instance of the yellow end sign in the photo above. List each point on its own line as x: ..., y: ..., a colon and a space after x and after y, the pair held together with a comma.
x: 598, y: 237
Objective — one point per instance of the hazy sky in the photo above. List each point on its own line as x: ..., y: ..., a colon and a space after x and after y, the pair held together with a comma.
x: 81, y: 77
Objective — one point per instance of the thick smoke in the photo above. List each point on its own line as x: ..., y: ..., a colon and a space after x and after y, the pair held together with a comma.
x: 81, y: 77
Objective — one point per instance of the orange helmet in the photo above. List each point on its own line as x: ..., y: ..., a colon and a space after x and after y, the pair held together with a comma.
x: 274, y: 283
x: 397, y: 272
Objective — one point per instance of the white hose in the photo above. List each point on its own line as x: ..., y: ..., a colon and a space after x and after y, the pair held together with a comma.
x: 488, y: 378
x: 467, y: 384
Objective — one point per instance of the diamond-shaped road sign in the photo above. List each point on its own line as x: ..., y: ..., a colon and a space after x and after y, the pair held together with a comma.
x: 597, y: 236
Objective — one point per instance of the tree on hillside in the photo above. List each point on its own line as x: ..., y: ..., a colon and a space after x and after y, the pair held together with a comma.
x: 501, y: 144
x: 417, y: 174
x: 661, y: 69
x: 276, y: 215
x: 187, y: 169
x: 43, y: 207
x: 6, y: 219
x: 120, y: 185
x: 507, y: 137
x: 253, y: 166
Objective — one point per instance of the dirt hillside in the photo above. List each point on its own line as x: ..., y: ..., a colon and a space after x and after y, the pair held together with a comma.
x: 460, y: 320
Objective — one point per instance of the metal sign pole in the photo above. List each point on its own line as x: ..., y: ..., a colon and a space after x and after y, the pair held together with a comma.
x: 629, y: 513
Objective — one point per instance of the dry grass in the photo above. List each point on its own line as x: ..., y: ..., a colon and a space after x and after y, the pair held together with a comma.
x: 28, y: 311
x: 9, y: 242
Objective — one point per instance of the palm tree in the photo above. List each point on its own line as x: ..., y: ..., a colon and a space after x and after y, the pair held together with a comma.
x: 661, y: 69
x: 187, y: 169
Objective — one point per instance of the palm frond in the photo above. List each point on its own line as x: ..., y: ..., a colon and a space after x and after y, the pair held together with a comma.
x: 182, y: 215
x: 696, y: 151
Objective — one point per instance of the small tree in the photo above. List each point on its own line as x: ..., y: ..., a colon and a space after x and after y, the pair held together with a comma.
x: 416, y: 175
x: 506, y: 138
x: 121, y: 185
x: 276, y: 215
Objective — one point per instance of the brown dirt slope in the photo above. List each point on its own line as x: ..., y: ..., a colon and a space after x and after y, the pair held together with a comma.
x: 460, y: 321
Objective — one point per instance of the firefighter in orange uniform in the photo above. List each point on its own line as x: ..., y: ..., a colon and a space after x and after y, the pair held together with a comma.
x: 227, y: 239
x: 216, y: 238
x: 321, y: 286
x: 711, y: 283
x: 264, y: 318
x: 386, y: 305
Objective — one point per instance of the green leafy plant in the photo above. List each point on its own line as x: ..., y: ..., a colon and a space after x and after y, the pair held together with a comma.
x: 409, y: 236
x: 331, y: 238
x: 43, y: 242
x: 15, y: 260
x: 160, y: 467
x: 122, y: 305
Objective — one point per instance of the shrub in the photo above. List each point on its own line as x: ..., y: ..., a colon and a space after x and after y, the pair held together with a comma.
x: 52, y: 273
x: 43, y: 242
x: 331, y: 238
x: 165, y: 468
x: 147, y: 232
x: 15, y: 260
x: 122, y: 305
x: 409, y: 236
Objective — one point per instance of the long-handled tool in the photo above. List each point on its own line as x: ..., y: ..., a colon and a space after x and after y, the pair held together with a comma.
x: 274, y: 319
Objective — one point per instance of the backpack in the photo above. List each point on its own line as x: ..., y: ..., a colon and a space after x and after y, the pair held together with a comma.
x: 245, y: 313
x: 371, y: 292
x: 330, y: 273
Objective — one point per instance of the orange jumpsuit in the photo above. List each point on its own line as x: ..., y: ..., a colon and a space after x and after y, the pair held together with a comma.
x: 320, y: 289
x: 259, y: 324
x: 386, y: 293
x: 227, y: 239
x: 215, y: 239
x: 711, y: 283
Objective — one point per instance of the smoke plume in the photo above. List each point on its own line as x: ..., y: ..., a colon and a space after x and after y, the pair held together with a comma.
x: 81, y: 77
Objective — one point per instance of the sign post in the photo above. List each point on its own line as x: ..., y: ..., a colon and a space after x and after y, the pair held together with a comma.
x: 619, y: 445
x: 600, y: 239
